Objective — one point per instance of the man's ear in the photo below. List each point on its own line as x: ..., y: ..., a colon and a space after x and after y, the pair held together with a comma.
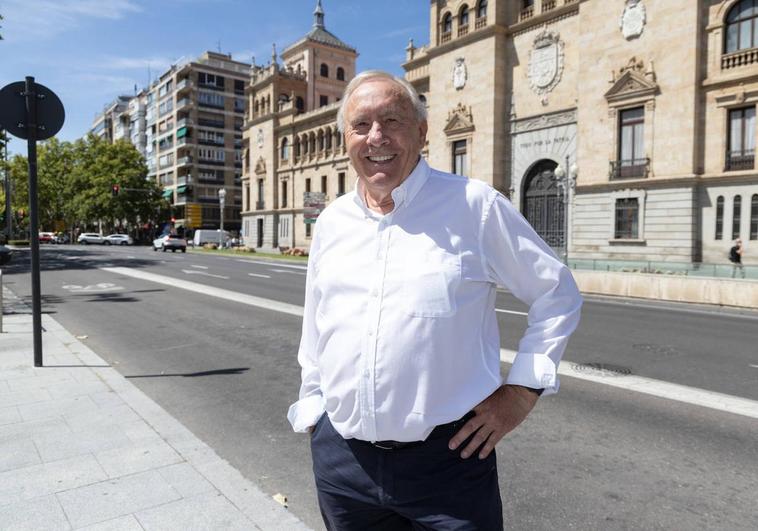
x: 423, y: 127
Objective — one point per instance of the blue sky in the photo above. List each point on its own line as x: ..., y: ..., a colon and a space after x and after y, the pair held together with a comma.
x: 89, y: 51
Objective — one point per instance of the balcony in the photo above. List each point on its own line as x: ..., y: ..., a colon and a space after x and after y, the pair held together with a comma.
x: 183, y: 104
x: 260, y: 205
x: 629, y: 169
x: 184, y: 161
x: 739, y: 58
x: 462, y: 30
x: 183, y: 85
x: 184, y: 179
x: 739, y: 160
x: 526, y: 14
x: 445, y: 37
x: 480, y: 22
x: 184, y: 122
x: 218, y: 124
x: 548, y: 5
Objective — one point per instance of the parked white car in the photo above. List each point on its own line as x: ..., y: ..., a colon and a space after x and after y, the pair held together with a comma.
x: 119, y: 239
x: 87, y: 238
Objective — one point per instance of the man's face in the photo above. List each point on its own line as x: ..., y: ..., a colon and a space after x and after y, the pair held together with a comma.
x: 382, y: 135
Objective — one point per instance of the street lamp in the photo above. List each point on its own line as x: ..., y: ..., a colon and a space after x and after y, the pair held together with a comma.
x: 566, y: 183
x: 221, y: 202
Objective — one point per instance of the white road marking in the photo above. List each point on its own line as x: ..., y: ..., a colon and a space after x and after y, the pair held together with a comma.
x: 199, y: 266
x: 510, y: 311
x: 102, y: 287
x: 257, y: 275
x: 191, y: 272
x: 226, y: 294
x: 754, y: 366
x: 274, y: 264
x: 640, y: 384
x: 286, y: 271
x: 659, y: 388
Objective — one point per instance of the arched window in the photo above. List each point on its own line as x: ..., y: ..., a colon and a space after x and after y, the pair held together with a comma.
x: 736, y: 216
x: 741, y: 27
x: 324, y: 70
x: 463, y: 16
x: 312, y: 147
x: 720, y: 217
x: 340, y: 74
x: 304, y: 140
x: 754, y: 217
x: 328, y: 138
x: 285, y: 149
x: 297, y: 147
x: 447, y: 23
x: 300, y: 104
x: 321, y: 144
x: 481, y: 10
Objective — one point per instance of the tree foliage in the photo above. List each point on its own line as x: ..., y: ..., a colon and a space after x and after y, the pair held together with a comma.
x: 75, y: 183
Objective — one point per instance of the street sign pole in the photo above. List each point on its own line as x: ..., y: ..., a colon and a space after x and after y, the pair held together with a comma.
x: 7, y: 184
x: 31, y: 142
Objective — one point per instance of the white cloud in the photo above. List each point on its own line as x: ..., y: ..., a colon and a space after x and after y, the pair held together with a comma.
x: 42, y: 19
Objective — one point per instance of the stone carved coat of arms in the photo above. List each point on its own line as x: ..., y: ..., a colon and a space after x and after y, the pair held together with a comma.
x: 545, y: 62
x: 633, y: 19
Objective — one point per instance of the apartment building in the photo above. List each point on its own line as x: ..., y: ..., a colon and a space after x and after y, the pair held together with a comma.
x: 624, y: 130
x: 113, y: 123
x: 293, y: 153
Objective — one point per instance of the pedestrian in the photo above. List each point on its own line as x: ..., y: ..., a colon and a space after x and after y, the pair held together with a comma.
x: 400, y: 350
x: 735, y: 257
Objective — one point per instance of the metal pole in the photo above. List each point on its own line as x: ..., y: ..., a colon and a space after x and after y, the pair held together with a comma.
x: 7, y: 184
x: 566, y: 192
x: 31, y: 127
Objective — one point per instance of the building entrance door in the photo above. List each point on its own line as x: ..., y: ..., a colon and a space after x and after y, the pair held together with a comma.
x: 542, y: 206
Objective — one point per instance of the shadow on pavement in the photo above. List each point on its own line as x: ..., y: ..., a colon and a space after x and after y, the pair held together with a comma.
x: 217, y: 372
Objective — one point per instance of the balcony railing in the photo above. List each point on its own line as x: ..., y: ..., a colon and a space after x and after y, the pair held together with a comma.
x: 445, y: 37
x: 218, y: 124
x: 548, y: 5
x: 184, y: 161
x: 183, y: 84
x: 739, y: 58
x: 629, y: 169
x: 740, y: 160
x: 182, y: 103
x: 184, y: 122
x: 462, y: 30
x: 526, y: 13
x: 260, y: 205
x: 184, y: 179
x: 480, y: 23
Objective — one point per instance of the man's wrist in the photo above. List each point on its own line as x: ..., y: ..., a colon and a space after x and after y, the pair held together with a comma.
x: 538, y: 392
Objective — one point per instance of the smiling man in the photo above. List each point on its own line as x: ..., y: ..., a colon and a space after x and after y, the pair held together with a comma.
x: 400, y: 352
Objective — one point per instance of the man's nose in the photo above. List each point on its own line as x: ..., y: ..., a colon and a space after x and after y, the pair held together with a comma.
x: 375, y: 135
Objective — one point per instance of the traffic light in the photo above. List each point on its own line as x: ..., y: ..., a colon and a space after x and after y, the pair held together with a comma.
x: 115, y: 189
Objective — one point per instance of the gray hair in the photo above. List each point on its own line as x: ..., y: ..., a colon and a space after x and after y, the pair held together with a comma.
x: 368, y: 75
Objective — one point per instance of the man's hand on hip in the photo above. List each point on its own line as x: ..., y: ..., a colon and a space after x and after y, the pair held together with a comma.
x: 495, y: 416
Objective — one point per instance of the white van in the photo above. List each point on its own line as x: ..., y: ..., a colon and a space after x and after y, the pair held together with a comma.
x: 203, y: 236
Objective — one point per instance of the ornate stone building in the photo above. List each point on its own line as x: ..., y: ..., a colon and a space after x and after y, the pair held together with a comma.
x: 290, y: 141
x: 625, y: 128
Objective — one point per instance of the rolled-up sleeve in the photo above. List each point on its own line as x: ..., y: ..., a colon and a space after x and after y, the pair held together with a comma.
x: 306, y: 411
x: 515, y: 257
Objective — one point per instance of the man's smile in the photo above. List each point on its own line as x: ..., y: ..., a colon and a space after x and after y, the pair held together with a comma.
x: 378, y: 159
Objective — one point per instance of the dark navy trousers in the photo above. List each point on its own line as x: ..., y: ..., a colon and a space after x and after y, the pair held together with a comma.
x: 422, y: 487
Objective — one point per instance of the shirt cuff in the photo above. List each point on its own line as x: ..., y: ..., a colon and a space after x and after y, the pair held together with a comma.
x: 305, y: 412
x: 537, y: 371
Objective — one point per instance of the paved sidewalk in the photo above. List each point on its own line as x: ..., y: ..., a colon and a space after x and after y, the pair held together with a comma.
x: 82, y: 448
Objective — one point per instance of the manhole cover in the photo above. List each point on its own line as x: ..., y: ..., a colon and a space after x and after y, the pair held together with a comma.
x: 663, y: 351
x: 601, y: 369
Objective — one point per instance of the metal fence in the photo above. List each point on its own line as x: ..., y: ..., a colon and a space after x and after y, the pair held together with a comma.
x: 667, y: 268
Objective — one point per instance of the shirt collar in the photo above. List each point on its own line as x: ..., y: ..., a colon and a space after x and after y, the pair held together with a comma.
x: 403, y: 194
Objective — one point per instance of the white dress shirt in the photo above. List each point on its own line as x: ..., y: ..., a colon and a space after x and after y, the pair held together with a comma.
x: 399, y: 327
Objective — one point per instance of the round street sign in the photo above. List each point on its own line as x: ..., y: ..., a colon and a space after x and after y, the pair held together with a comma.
x: 50, y: 113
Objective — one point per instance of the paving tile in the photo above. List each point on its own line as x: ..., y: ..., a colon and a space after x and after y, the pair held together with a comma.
x: 4, y: 387
x: 186, y: 480
x: 74, y: 388
x: 137, y: 458
x: 101, y: 416
x: 91, y: 439
x: 18, y: 454
x: 140, y: 431
x: 107, y: 398
x: 48, y: 478
x: 117, y: 497
x: 9, y: 415
x: 34, y: 428
x: 40, y: 381
x: 39, y: 514
x: 123, y: 523
x: 24, y: 397
x: 195, y: 514
x: 57, y: 408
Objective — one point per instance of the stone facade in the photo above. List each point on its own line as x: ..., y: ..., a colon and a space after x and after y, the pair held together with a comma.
x: 291, y: 143
x: 607, y: 122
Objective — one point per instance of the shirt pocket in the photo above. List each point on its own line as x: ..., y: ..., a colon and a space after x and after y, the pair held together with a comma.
x: 430, y: 281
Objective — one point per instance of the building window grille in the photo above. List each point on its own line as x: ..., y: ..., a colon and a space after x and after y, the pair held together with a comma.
x: 741, y: 151
x: 720, y: 218
x: 460, y: 157
x: 736, y: 216
x: 627, y: 219
x: 631, y: 160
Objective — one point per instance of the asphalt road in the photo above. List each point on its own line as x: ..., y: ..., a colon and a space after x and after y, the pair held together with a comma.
x: 592, y: 457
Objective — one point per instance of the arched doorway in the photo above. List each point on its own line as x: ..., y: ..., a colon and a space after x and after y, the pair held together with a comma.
x: 542, y: 206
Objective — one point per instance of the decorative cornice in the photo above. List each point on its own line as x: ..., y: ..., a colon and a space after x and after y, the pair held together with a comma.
x: 544, y: 121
